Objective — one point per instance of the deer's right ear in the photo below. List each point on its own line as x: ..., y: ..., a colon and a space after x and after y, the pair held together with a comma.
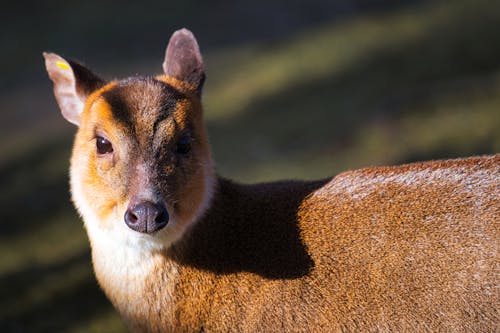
x: 73, y: 83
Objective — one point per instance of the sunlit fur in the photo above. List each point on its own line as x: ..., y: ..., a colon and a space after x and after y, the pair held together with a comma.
x: 410, y: 248
x: 101, y: 191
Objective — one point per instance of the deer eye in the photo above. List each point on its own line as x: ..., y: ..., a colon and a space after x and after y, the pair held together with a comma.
x: 103, y: 146
x: 184, y: 145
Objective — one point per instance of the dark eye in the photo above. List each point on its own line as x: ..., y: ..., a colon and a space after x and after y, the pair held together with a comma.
x: 184, y: 145
x: 103, y: 146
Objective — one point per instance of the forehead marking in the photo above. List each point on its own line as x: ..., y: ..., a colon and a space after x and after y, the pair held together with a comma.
x: 158, y: 121
x: 139, y: 102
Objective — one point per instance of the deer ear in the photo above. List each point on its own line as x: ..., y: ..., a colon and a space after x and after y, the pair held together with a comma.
x: 183, y: 59
x: 73, y: 83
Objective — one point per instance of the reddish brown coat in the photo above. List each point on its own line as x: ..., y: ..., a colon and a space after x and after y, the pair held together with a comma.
x: 404, y: 248
x: 410, y: 248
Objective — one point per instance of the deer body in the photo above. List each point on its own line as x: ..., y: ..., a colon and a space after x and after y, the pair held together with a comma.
x: 177, y: 248
x: 374, y: 250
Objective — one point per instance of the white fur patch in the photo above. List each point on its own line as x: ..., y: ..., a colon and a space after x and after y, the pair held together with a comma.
x: 124, y: 236
x: 124, y: 259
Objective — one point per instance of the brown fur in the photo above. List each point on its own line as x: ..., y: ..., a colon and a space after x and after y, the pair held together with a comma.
x: 414, y: 251
x: 406, y: 248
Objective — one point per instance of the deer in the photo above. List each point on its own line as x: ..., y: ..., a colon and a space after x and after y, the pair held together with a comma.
x: 178, y: 248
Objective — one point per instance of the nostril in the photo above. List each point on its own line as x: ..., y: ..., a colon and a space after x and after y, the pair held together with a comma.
x: 131, y: 217
x: 162, y: 216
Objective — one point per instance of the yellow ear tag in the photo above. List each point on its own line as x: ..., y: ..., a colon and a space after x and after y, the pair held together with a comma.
x: 62, y: 65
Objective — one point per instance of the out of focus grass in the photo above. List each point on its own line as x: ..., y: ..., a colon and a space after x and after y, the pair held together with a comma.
x: 386, y: 87
x: 377, y: 89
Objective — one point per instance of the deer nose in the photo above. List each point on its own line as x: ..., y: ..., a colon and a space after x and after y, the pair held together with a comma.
x: 146, y: 217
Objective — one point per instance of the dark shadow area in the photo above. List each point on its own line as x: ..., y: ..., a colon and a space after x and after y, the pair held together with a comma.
x: 255, y: 235
x: 20, y: 281
x: 105, y: 31
x: 34, y: 187
x: 327, y: 113
x: 65, y: 310
x: 65, y: 307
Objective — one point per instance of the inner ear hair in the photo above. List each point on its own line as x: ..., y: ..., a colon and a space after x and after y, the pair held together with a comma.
x: 73, y: 83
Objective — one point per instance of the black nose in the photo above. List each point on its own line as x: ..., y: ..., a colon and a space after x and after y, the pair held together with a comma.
x: 146, y: 217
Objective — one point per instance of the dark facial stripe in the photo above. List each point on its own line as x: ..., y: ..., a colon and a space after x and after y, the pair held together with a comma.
x: 119, y: 107
x: 126, y: 101
x: 162, y: 116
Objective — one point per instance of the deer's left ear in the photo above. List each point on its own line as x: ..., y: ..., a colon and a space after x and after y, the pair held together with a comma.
x: 183, y: 59
x: 73, y: 83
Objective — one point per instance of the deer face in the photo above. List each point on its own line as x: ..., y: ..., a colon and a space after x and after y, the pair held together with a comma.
x: 141, y: 170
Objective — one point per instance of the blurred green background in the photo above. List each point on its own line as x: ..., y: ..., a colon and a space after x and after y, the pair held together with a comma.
x: 295, y: 89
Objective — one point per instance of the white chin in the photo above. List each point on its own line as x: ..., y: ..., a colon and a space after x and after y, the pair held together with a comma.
x: 160, y: 240
x: 119, y: 235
